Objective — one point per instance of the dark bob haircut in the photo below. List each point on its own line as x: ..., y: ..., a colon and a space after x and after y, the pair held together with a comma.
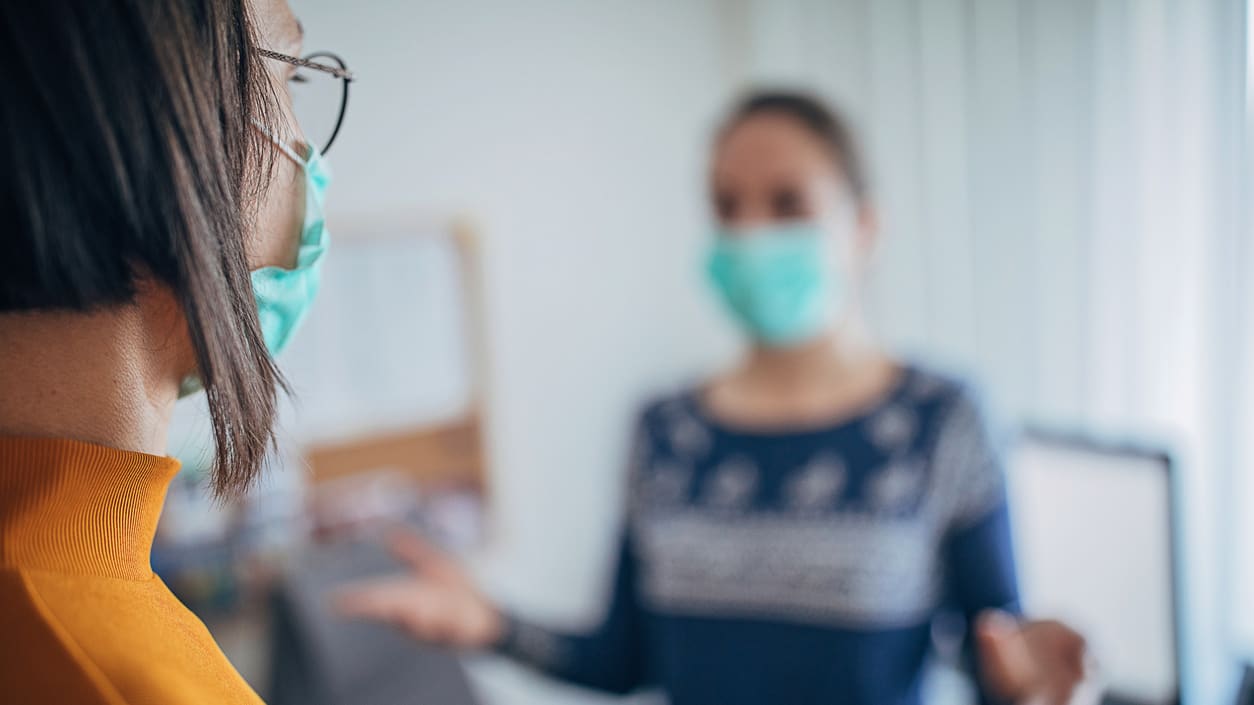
x: 821, y: 120
x: 129, y: 156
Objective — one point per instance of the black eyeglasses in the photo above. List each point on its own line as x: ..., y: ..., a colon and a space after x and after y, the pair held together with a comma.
x: 319, y: 93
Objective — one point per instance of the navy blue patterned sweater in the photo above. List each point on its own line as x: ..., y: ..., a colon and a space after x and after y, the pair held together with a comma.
x: 795, y: 567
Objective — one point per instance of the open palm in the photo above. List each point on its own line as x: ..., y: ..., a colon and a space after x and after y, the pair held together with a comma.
x: 1035, y: 663
x: 435, y: 602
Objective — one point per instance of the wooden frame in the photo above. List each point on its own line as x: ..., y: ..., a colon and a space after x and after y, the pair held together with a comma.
x: 445, y: 454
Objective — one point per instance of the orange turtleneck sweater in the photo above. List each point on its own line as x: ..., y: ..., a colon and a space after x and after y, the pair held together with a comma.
x: 83, y: 619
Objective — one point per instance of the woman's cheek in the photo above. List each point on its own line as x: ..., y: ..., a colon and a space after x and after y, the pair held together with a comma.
x: 280, y: 218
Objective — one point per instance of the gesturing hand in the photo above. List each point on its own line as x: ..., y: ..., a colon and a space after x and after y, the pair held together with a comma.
x: 1034, y: 663
x: 437, y: 602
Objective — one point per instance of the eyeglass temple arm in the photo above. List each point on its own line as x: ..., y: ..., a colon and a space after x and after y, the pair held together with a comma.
x: 305, y: 63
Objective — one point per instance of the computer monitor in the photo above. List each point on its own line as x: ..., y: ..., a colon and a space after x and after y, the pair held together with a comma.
x: 1095, y: 534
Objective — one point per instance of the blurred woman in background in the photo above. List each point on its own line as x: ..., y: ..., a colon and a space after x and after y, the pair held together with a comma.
x: 796, y: 524
x: 160, y: 232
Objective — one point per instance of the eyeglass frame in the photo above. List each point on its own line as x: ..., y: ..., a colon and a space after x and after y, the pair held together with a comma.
x: 341, y: 72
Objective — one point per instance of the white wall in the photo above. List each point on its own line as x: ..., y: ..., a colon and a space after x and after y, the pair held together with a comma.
x: 575, y: 132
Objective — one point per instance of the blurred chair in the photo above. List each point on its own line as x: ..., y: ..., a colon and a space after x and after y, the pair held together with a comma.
x: 321, y: 659
x: 1245, y: 695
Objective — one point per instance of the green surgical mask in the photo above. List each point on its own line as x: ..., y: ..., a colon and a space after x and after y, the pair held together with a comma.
x: 781, y: 282
x: 284, y: 296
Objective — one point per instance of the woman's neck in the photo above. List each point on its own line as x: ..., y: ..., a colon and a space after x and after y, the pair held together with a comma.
x: 102, y: 377
x: 828, y: 378
x: 847, y: 351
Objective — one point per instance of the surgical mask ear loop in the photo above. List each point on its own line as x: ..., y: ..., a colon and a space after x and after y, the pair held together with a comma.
x: 281, y: 144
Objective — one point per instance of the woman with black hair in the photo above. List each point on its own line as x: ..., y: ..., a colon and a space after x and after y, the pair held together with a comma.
x: 795, y: 525
x: 160, y: 233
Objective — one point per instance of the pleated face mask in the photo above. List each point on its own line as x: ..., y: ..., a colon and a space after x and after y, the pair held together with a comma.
x: 781, y: 283
x: 284, y: 296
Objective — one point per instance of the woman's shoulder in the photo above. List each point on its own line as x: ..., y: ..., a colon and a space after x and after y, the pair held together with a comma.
x: 966, y: 426
x: 954, y: 402
x: 931, y: 383
x: 922, y: 383
x: 668, y: 402
x: 660, y: 415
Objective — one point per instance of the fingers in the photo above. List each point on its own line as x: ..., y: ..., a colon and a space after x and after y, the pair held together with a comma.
x: 1004, y: 655
x: 401, y: 602
x: 1061, y: 657
x: 1066, y: 649
x: 382, y: 600
x: 1041, y: 663
x: 415, y: 551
